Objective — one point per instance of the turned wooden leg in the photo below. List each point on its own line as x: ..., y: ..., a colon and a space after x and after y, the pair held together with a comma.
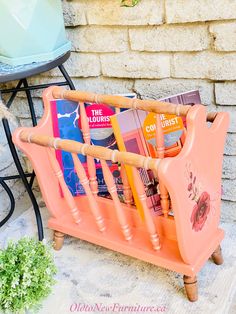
x: 58, y: 240
x: 190, y: 284
x: 217, y: 256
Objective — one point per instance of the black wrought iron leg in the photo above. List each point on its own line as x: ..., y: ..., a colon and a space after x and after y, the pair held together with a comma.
x: 13, y: 95
x: 30, y: 102
x: 12, y: 201
x: 32, y: 179
x: 24, y: 179
x: 66, y: 76
x: 32, y: 114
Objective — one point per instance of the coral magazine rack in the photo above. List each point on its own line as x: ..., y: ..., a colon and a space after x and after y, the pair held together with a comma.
x: 190, y: 181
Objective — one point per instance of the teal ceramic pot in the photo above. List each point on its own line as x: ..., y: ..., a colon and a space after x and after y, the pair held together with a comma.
x: 31, y: 31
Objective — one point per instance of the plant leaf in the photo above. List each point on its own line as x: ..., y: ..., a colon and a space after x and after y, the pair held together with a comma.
x: 129, y: 3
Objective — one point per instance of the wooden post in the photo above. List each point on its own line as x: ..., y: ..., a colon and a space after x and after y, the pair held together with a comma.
x: 126, y: 230
x: 92, y: 200
x: 217, y: 256
x: 183, y: 137
x: 58, y: 239
x: 121, y: 101
x: 151, y: 228
x: 191, y: 288
x: 125, y: 102
x: 87, y: 140
x: 95, y: 151
x: 160, y: 144
x: 66, y: 192
x: 126, y: 187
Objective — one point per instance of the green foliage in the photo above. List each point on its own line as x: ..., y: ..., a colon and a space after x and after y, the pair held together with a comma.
x: 129, y: 3
x: 26, y: 275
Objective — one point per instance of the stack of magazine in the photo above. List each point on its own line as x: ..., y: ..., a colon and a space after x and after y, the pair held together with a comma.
x: 109, y: 128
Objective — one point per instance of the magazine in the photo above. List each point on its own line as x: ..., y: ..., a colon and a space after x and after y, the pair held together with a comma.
x: 139, y: 136
x: 67, y: 125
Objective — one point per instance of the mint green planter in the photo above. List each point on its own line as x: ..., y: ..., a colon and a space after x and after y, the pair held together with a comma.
x: 31, y: 31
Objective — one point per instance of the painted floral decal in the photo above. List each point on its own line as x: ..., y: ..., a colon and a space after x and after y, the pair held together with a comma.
x: 202, y: 198
x: 200, y: 211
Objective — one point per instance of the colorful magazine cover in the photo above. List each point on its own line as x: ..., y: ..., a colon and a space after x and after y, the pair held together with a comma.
x: 173, y: 126
x: 67, y: 125
x: 130, y: 138
x: 139, y: 134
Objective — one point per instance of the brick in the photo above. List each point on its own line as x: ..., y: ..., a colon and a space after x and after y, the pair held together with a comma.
x: 225, y: 93
x: 229, y: 190
x: 147, y: 12
x: 5, y: 160
x: 79, y: 65
x: 25, y: 122
x: 43, y: 78
x: 13, y: 125
x: 98, y: 39
x: 229, y: 167
x: 10, y: 170
x: 181, y: 11
x: 83, y: 65
x: 3, y: 140
x: 74, y: 13
x: 104, y: 85
x: 95, y: 84
x: 228, y: 212
x: 232, y: 114
x: 224, y: 36
x: 17, y: 188
x: 204, y: 65
x: 156, y: 89
x: 170, y: 38
x: 20, y: 107
x: 136, y: 65
x: 230, y: 146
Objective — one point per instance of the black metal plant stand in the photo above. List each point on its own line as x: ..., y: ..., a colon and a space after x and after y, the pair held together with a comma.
x: 21, y: 73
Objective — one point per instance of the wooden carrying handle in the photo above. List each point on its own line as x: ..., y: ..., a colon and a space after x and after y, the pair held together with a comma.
x: 125, y: 102
x: 99, y: 152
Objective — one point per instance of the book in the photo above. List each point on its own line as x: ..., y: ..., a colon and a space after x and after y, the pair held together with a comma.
x: 138, y: 136
x: 66, y: 123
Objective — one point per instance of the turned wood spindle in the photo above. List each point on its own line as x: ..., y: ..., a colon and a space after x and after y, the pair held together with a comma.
x: 96, y: 151
x: 160, y: 146
x: 183, y: 136
x: 108, y: 177
x: 217, y: 256
x: 126, y: 187
x: 117, y: 101
x: 58, y: 240
x: 92, y: 200
x: 66, y: 192
x: 191, y: 288
x: 87, y: 140
x: 147, y: 214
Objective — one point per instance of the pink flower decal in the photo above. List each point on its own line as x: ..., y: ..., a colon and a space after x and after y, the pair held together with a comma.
x: 200, y: 211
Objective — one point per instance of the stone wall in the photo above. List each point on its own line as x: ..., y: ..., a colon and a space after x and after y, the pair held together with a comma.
x: 158, y: 48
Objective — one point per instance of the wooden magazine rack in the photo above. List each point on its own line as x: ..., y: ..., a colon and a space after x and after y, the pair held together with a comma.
x: 191, y: 181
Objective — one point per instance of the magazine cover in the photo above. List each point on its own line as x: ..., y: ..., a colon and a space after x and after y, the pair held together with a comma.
x: 67, y: 125
x: 138, y: 136
x: 130, y: 138
x: 173, y: 126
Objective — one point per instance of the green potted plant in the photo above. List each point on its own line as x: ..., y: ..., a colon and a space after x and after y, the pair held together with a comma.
x: 27, y: 274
